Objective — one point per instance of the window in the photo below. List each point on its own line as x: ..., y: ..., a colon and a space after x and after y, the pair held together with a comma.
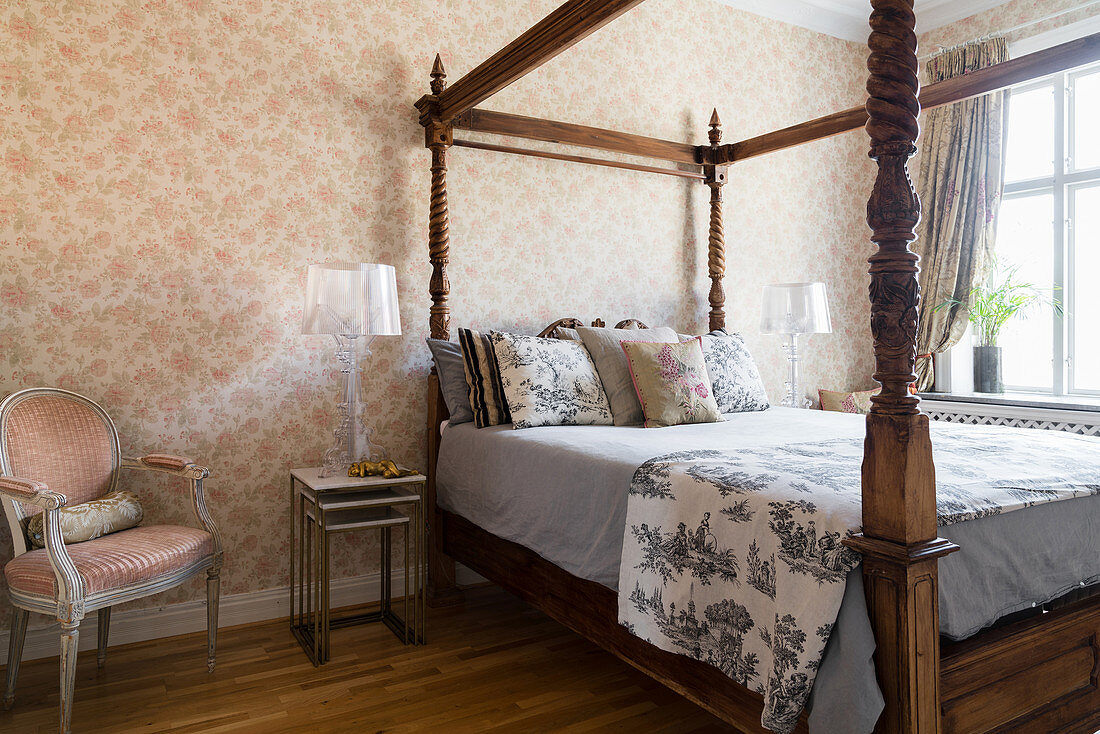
x: 1049, y: 228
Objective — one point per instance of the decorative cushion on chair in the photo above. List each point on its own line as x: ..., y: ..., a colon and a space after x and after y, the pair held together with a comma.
x: 114, y: 561
x: 114, y: 511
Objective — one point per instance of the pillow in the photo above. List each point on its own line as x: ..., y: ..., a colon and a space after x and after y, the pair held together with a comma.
x: 549, y: 382
x: 733, y: 374
x: 110, y: 513
x: 846, y: 402
x: 564, y: 332
x: 452, y: 379
x: 483, y: 380
x: 603, y: 345
x: 672, y: 382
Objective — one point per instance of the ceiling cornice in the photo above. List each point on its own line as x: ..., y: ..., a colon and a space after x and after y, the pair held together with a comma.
x: 847, y: 19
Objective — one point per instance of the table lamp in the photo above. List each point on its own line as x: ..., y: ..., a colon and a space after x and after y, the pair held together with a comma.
x: 351, y: 301
x: 794, y: 309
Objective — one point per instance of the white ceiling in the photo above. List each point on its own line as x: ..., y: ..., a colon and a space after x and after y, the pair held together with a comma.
x: 848, y: 18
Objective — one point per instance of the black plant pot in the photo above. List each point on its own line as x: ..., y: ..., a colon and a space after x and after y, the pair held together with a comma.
x: 987, y: 370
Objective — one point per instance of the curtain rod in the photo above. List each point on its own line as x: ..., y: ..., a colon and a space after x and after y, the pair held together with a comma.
x: 1013, y: 29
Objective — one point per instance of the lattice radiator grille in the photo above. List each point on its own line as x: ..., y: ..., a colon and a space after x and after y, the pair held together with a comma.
x: 1083, y: 427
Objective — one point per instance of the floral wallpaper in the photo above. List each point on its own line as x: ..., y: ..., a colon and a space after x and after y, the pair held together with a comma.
x: 168, y: 169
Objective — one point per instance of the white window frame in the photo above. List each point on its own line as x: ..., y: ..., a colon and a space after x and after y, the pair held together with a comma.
x: 1064, y: 181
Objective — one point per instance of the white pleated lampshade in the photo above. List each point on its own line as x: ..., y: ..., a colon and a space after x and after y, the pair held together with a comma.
x: 349, y: 299
x: 795, y: 308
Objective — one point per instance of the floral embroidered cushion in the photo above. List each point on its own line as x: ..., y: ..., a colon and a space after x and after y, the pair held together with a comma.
x: 672, y: 383
x: 114, y: 511
x: 549, y: 382
x: 483, y: 379
x: 846, y: 402
x: 733, y: 373
x: 603, y: 345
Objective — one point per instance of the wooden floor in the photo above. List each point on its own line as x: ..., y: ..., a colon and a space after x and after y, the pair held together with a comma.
x: 494, y: 665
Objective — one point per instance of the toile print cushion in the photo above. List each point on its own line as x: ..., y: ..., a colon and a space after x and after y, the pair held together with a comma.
x: 846, y: 402
x: 603, y: 345
x: 549, y: 382
x: 733, y: 373
x: 114, y: 511
x: 671, y: 382
x: 483, y: 379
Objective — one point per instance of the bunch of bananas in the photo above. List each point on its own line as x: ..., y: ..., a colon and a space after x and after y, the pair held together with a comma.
x: 384, y: 468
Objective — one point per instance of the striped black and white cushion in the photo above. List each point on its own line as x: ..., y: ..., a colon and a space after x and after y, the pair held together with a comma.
x: 483, y: 378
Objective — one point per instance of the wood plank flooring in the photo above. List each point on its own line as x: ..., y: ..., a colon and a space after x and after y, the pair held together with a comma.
x: 493, y: 665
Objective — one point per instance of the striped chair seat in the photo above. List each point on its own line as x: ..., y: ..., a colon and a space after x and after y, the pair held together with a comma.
x: 121, y: 559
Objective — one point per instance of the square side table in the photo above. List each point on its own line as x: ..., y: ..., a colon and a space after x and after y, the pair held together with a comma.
x: 322, y: 506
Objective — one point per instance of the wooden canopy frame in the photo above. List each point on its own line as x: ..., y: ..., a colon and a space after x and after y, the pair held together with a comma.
x: 1037, y: 675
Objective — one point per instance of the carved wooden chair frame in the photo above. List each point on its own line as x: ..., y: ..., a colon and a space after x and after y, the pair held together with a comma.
x: 71, y: 602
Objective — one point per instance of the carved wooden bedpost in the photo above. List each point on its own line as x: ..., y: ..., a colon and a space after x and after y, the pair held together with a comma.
x: 716, y: 242
x: 438, y: 137
x: 899, y: 542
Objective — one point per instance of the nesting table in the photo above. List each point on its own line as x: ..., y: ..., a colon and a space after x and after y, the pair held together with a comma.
x: 339, y: 504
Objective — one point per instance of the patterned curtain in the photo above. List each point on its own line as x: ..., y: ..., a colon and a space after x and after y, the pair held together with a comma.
x: 960, y: 185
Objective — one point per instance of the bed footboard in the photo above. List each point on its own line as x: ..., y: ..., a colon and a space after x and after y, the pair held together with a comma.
x: 1038, y: 675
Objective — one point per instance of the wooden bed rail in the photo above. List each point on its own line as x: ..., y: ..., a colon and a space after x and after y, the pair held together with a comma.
x: 1032, y: 66
x: 458, y: 143
x: 567, y: 133
x: 565, y: 26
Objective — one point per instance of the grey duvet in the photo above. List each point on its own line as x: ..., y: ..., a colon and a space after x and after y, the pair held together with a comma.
x: 562, y: 492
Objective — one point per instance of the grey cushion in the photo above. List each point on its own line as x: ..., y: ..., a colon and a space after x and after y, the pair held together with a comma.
x: 452, y: 379
x: 603, y: 345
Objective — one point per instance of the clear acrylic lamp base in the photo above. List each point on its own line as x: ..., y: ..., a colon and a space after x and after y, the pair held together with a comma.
x: 793, y: 386
x: 353, y: 439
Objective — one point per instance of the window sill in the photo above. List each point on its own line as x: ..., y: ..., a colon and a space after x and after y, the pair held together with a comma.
x: 1019, y: 400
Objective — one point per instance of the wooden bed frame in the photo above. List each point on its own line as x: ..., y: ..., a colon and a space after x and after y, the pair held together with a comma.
x: 1040, y: 674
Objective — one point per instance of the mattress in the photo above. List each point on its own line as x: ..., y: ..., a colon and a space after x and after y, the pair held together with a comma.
x: 561, y: 491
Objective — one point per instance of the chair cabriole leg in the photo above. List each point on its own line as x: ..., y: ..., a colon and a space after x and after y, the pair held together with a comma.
x: 213, y: 598
x: 70, y: 640
x: 104, y: 630
x: 15, y: 652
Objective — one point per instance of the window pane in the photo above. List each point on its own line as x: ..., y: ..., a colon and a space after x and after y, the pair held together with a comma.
x: 1030, y: 151
x: 1085, y: 310
x: 1025, y: 239
x: 1086, y: 116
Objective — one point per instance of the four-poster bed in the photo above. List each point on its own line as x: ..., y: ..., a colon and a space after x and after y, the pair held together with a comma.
x: 1037, y: 674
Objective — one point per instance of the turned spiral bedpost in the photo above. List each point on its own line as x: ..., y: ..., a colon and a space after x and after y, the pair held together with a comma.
x: 716, y: 241
x: 899, y: 541
x: 438, y: 137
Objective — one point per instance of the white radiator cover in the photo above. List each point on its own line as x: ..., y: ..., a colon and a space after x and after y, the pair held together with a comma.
x: 1084, y: 422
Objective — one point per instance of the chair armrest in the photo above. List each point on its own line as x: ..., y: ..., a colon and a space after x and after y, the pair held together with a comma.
x: 70, y: 586
x: 176, y: 465
x: 180, y: 466
x: 26, y: 490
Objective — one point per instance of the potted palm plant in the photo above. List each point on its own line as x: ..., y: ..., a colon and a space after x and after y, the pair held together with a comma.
x: 1001, y: 296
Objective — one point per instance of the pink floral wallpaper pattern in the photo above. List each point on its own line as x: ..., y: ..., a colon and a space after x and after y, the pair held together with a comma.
x: 168, y: 169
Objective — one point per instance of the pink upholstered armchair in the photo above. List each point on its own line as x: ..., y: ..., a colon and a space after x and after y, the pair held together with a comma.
x: 58, y: 448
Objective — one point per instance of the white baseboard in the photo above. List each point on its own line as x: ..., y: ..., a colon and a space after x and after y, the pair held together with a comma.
x: 139, y: 625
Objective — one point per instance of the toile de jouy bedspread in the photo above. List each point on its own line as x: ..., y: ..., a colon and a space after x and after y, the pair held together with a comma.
x: 735, y: 557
